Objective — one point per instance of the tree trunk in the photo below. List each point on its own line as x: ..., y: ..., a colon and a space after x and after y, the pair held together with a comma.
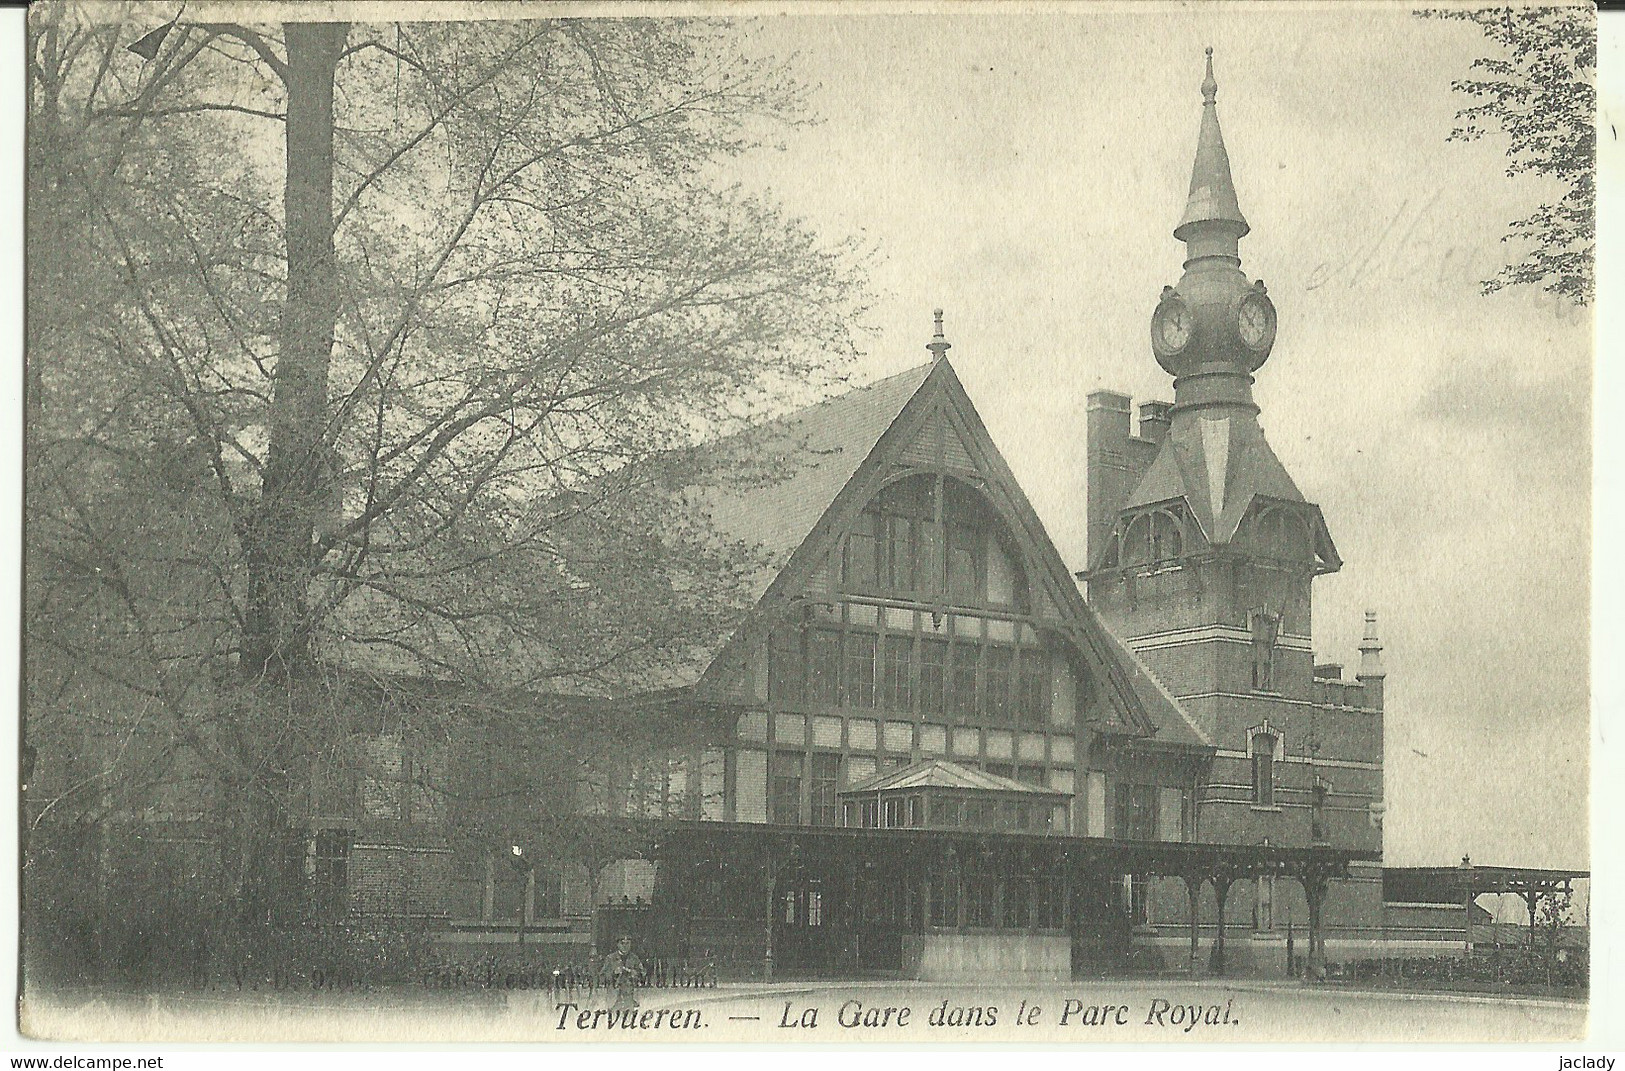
x: 282, y: 528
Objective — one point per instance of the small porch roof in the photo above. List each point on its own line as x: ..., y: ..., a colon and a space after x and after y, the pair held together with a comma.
x: 944, y: 774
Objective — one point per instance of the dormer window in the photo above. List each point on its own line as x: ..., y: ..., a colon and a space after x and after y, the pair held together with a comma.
x: 1277, y: 532
x: 1150, y: 538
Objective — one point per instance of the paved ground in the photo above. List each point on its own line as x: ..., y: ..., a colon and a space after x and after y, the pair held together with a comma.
x: 1086, y: 1012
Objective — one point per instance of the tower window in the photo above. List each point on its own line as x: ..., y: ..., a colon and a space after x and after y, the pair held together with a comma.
x: 1263, y: 752
x: 1266, y: 628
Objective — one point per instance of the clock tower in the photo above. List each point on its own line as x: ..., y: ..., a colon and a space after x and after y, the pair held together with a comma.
x: 1202, y: 552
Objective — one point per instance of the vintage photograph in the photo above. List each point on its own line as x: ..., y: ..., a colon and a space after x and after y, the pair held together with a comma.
x: 807, y: 524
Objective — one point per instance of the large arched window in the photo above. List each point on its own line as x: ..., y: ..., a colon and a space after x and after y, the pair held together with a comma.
x: 933, y: 539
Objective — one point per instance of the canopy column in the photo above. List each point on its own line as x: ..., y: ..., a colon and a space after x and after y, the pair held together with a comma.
x: 770, y: 888
x: 1221, y: 889
x: 1314, y: 891
x: 1193, y: 891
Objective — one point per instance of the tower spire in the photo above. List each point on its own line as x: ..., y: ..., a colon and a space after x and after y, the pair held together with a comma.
x: 1212, y: 199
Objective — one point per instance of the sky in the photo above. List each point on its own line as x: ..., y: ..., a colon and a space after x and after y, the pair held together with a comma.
x: 1024, y: 173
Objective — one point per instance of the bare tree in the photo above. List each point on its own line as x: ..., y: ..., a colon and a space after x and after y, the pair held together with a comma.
x: 380, y: 349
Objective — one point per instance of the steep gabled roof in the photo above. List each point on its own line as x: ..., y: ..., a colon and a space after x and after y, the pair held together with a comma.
x: 861, y: 439
x: 805, y: 458
x: 941, y: 773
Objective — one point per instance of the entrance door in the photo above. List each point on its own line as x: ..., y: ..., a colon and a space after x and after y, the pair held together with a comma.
x: 805, y: 936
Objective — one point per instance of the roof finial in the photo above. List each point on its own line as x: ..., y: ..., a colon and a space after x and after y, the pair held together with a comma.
x: 938, y: 344
x: 1210, y: 87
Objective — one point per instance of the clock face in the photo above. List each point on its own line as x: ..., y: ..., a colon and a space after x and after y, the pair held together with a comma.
x: 1254, y: 322
x: 1175, y: 326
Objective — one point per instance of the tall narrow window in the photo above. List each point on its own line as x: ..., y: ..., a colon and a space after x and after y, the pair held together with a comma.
x: 824, y: 665
x: 785, y: 802
x: 996, y: 675
x: 945, y: 900
x: 933, y: 675
x: 823, y: 783
x: 1017, y: 893
x: 898, y: 572
x: 964, y: 543
x: 1137, y: 541
x: 899, y: 672
x: 1263, y: 746
x: 859, y: 688
x: 928, y: 566
x: 1033, y: 705
x: 862, y: 552
x: 784, y: 665
x: 1265, y: 626
x: 963, y: 700
x: 1001, y: 576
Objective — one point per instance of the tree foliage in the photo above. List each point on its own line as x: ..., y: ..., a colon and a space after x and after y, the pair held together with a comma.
x: 1539, y: 91
x: 378, y: 351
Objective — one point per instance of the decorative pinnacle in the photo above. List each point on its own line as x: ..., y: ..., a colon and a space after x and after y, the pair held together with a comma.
x: 1371, y: 651
x: 1370, y: 638
x: 938, y: 345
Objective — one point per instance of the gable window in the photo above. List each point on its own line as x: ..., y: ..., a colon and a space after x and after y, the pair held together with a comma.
x: 897, y: 567
x: 927, y: 535
x: 1263, y: 752
x: 1137, y: 541
x: 862, y: 549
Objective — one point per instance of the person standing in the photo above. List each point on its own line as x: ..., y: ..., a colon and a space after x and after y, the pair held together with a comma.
x: 623, y: 970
